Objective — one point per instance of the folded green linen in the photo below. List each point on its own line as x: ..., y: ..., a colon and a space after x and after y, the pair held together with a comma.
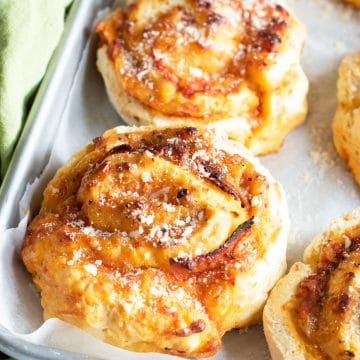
x: 29, y: 33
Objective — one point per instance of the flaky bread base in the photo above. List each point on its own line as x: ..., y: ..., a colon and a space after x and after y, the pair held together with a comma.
x: 287, y: 106
x: 284, y: 341
x: 346, y: 124
x: 248, y: 295
x: 281, y: 336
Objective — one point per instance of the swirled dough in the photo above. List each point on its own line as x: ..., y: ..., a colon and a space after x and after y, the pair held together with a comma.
x: 195, y: 62
x: 313, y: 312
x: 159, y: 239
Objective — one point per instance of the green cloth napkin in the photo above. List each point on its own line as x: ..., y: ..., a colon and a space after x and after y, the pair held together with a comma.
x: 29, y: 33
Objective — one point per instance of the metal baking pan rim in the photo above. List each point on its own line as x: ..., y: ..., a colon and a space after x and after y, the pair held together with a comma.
x: 21, y: 171
x: 19, y: 168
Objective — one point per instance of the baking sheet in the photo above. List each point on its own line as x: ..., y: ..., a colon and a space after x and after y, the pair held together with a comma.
x: 318, y: 185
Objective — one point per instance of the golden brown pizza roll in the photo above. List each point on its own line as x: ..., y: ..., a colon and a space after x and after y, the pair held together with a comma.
x: 353, y: 2
x: 196, y: 62
x: 346, y: 125
x: 159, y: 239
x: 313, y: 312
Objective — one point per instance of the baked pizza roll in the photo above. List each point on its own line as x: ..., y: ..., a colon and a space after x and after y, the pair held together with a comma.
x: 158, y: 240
x: 353, y: 2
x: 346, y: 125
x: 196, y: 62
x: 313, y: 312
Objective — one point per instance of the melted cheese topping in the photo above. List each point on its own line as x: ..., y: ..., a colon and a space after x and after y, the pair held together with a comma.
x: 327, y: 301
x: 199, y: 59
x: 153, y: 239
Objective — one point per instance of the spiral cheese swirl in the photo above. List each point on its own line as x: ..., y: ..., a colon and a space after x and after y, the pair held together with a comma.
x: 153, y: 240
x: 318, y: 302
x: 193, y: 62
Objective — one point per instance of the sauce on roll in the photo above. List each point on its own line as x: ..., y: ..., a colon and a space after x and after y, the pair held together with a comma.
x: 317, y: 304
x: 159, y: 239
x: 195, y: 62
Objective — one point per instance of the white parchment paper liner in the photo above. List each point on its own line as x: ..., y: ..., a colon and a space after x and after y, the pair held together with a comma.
x: 318, y: 185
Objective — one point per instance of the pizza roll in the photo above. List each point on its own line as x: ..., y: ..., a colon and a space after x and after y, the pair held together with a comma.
x: 313, y: 312
x: 197, y: 62
x: 346, y: 124
x: 159, y: 239
x: 354, y: 2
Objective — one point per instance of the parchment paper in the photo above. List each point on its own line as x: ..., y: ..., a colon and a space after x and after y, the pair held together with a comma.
x: 318, y: 185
